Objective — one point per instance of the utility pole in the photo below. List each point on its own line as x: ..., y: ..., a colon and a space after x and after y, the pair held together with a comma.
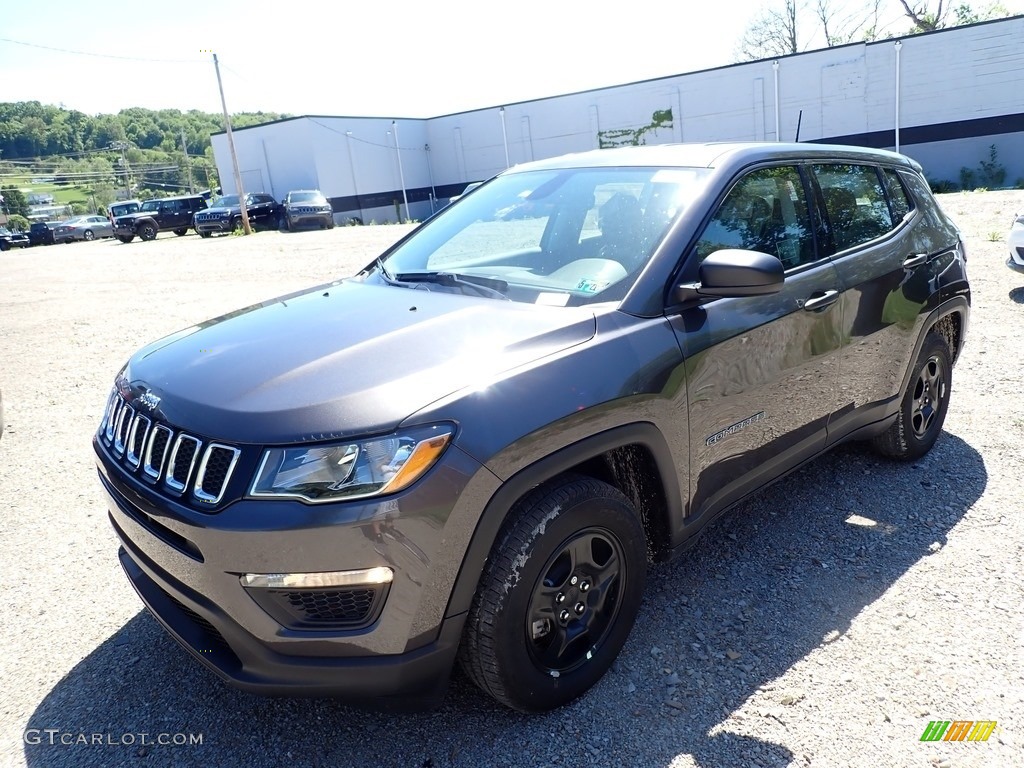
x: 123, y: 145
x: 401, y: 174
x: 231, y: 148
x: 188, y: 163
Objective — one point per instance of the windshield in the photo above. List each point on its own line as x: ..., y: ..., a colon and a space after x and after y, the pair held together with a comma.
x: 306, y: 197
x: 558, y: 237
x: 225, y: 201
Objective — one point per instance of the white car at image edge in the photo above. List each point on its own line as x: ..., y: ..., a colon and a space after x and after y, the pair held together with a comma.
x: 1016, y: 243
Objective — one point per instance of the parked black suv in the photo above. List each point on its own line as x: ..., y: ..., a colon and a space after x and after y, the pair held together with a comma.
x: 9, y: 239
x: 225, y: 214
x: 154, y: 216
x: 304, y: 206
x: 473, y: 448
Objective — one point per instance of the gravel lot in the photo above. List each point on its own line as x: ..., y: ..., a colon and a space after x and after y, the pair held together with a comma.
x: 788, y: 636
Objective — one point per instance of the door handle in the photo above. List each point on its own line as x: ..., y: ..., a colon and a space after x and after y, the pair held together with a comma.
x: 915, y: 261
x: 819, y: 301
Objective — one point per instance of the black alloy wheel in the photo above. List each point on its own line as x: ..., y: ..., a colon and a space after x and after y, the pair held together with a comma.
x: 558, y: 596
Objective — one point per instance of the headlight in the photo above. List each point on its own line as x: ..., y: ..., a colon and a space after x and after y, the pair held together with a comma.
x: 350, y: 470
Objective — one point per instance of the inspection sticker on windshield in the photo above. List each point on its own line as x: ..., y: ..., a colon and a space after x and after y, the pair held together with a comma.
x: 590, y: 286
x: 552, y: 299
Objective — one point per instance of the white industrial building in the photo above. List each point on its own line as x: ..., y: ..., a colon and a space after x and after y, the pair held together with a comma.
x: 944, y: 98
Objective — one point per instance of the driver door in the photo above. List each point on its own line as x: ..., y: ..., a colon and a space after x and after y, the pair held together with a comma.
x: 762, y: 371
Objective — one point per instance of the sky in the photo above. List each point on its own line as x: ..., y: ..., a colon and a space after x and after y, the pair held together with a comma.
x: 397, y: 58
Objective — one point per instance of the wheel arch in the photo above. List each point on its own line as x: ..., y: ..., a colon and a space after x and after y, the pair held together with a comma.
x: 633, y: 458
x: 949, y: 320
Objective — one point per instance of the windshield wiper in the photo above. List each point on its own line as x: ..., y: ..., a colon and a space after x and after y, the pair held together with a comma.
x: 384, y: 272
x: 483, y: 286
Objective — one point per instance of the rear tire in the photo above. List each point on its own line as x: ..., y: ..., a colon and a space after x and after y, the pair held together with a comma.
x: 923, y: 408
x: 181, y: 232
x: 558, y: 596
x: 88, y: 235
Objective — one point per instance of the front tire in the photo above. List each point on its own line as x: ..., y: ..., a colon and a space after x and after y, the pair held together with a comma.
x: 147, y: 232
x: 923, y: 408
x: 558, y: 596
x: 125, y: 238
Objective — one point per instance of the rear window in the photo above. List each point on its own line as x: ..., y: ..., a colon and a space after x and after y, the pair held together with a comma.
x: 855, y: 203
x: 899, y: 201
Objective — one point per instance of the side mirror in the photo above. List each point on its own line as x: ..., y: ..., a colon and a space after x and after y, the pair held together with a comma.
x: 734, y: 273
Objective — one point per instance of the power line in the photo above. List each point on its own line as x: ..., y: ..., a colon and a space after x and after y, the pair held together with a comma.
x: 100, y: 55
x: 362, y: 141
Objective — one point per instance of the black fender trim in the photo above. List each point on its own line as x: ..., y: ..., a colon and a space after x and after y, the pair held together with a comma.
x: 494, y: 514
x: 957, y: 304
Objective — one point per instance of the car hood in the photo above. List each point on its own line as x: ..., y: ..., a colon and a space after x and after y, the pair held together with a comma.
x: 340, y: 360
x: 129, y: 217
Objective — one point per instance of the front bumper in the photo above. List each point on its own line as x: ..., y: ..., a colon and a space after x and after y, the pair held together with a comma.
x: 1016, y: 260
x: 185, y: 564
x: 409, y: 681
x: 214, y: 225
x: 300, y: 218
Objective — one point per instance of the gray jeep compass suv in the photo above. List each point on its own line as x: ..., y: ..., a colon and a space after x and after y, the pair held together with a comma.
x: 473, y: 449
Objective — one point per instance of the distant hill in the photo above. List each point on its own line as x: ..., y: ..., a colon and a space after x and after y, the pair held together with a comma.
x: 137, y: 151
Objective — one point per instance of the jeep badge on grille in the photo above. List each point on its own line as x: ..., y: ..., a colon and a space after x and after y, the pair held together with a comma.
x: 149, y: 400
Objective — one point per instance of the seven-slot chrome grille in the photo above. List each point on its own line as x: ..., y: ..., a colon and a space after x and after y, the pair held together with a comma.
x: 180, y: 464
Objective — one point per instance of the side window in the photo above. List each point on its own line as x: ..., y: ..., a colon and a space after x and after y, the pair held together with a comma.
x: 766, y: 211
x: 855, y: 204
x: 899, y: 201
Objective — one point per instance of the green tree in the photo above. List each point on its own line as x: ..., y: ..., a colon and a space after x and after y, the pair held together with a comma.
x: 15, y: 202
x: 927, y: 16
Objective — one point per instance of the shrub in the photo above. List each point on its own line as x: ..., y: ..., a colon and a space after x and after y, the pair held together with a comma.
x: 941, y: 186
x: 993, y: 174
x: 18, y: 222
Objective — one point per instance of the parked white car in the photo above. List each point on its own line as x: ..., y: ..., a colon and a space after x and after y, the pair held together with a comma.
x: 1016, y: 243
